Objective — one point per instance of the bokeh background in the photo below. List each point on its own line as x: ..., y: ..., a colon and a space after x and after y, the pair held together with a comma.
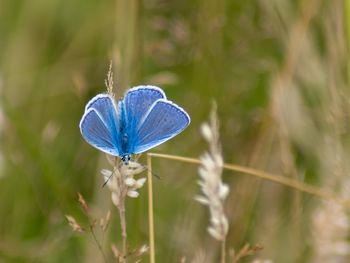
x: 278, y: 71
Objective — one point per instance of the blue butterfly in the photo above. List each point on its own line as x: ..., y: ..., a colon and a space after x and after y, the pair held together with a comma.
x: 143, y: 119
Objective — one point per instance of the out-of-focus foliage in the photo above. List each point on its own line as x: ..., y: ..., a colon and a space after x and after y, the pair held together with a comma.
x: 276, y: 69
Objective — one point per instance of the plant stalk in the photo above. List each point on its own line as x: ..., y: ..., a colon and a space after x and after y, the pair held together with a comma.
x: 283, y: 180
x: 98, y: 243
x: 121, y: 209
x: 347, y: 30
x: 223, y: 250
x: 150, y: 210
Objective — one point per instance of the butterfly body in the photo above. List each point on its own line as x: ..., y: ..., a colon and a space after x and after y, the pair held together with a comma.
x: 143, y: 119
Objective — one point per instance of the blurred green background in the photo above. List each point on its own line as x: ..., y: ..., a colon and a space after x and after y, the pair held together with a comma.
x: 278, y: 70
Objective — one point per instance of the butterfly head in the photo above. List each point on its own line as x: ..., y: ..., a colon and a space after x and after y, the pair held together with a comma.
x: 125, y: 159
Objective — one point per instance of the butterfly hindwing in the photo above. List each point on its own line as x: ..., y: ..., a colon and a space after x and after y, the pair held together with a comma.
x: 163, y: 121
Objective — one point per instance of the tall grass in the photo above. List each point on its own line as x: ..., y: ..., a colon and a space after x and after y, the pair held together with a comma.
x: 279, y: 73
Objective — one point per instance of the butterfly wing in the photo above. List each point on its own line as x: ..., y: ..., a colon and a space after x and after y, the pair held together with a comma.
x: 163, y: 121
x: 133, y: 108
x: 138, y: 100
x: 99, y: 125
x: 105, y: 106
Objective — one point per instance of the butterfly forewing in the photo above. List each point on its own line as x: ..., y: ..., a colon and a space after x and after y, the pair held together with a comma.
x: 98, y: 133
x: 104, y: 105
x: 134, y: 107
x: 163, y: 121
x: 138, y: 100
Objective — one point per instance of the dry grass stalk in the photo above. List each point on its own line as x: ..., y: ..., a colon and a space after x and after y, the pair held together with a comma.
x: 103, y: 223
x: 331, y: 228
x: 262, y: 261
x: 279, y: 179
x: 152, y: 258
x: 121, y: 183
x: 199, y: 257
x: 330, y: 221
x: 214, y: 191
x: 74, y: 225
x: 117, y: 254
x: 246, y: 250
x: 109, y: 80
x: 83, y: 204
x: 135, y: 254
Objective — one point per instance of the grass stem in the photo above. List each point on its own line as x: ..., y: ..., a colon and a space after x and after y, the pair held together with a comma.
x: 121, y: 209
x: 98, y: 243
x: 310, y: 189
x: 150, y: 209
x: 223, y: 250
x: 347, y: 30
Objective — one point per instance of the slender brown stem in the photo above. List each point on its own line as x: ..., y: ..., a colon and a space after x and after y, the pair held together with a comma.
x: 347, y: 28
x: 98, y: 243
x: 121, y: 209
x: 150, y: 211
x: 310, y: 189
x: 223, y: 250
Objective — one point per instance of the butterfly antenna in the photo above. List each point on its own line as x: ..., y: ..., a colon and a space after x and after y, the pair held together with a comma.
x: 106, y: 181
x: 154, y: 174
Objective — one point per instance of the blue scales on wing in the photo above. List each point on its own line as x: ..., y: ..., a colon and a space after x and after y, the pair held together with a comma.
x: 163, y: 121
x: 133, y: 109
x: 99, y: 125
x: 104, y: 105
